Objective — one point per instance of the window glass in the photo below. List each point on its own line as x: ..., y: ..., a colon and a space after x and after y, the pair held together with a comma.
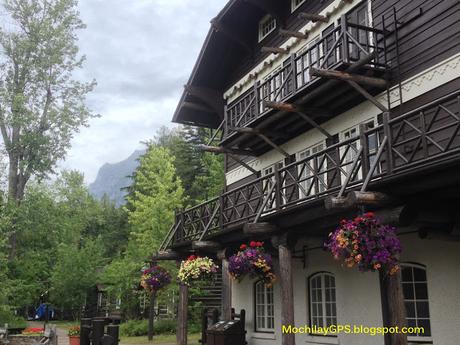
x: 323, y: 309
x: 266, y: 26
x: 415, y: 291
x: 264, y: 308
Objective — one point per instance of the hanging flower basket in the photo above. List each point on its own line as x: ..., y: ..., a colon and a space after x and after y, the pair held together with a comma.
x: 196, y: 268
x: 253, y: 261
x: 367, y: 244
x: 154, y: 279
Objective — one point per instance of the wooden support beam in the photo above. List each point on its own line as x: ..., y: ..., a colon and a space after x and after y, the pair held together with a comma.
x: 355, y: 198
x: 397, y: 216
x: 226, y: 291
x: 287, y: 287
x: 207, y: 246
x: 393, y: 308
x: 314, y: 17
x: 296, y: 34
x: 258, y: 132
x: 368, y: 96
x: 345, y: 76
x: 224, y: 150
x: 301, y: 111
x: 182, y: 315
x: 168, y: 255
x: 274, y: 50
x: 294, y: 108
x: 257, y: 230
x: 243, y: 163
x: 213, y: 98
x: 198, y: 107
x: 368, y: 198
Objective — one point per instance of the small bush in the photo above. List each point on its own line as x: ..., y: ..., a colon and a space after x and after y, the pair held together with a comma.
x: 12, y: 320
x: 137, y: 328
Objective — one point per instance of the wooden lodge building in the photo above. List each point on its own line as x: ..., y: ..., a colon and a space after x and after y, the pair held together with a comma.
x: 323, y: 110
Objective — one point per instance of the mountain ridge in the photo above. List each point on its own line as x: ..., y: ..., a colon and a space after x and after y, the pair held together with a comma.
x: 113, y: 178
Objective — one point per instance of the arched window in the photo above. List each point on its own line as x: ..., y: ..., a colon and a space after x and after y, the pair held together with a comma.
x: 323, y: 309
x: 264, y: 309
x: 415, y: 291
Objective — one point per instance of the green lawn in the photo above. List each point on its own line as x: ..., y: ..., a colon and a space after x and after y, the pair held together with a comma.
x: 158, y: 339
x: 65, y: 324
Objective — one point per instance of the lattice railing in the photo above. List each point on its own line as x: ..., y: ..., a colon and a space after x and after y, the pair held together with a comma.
x: 420, y: 137
x: 346, y: 43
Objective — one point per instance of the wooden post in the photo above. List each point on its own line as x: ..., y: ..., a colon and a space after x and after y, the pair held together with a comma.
x: 182, y: 315
x: 287, y: 289
x: 226, y: 292
x: 151, y: 316
x: 394, y: 311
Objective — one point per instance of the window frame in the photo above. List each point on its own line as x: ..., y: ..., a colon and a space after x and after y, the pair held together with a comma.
x: 318, y: 147
x: 295, y: 7
x: 266, y: 20
x: 266, y: 316
x: 322, y: 275
x: 413, y: 265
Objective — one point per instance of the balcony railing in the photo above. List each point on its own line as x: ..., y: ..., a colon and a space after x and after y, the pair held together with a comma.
x: 345, y: 44
x: 419, y: 138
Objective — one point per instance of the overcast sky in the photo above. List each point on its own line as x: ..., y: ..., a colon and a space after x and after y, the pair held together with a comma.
x: 141, y: 52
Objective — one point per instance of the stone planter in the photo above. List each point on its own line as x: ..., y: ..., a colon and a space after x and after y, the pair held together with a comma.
x: 24, y: 339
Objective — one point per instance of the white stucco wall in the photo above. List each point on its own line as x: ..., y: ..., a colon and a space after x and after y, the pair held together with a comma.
x: 358, y: 295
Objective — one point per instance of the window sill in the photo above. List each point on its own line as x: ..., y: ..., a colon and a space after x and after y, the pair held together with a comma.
x: 262, y: 335
x: 321, y: 340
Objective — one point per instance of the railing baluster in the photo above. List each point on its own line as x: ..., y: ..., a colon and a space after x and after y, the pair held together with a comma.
x: 277, y: 187
x: 344, y: 28
x: 387, y: 131
x: 365, y: 148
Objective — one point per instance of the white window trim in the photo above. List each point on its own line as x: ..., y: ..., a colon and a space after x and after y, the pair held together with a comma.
x: 294, y: 6
x: 265, y: 305
x: 323, y: 299
x: 419, y: 338
x: 263, y: 21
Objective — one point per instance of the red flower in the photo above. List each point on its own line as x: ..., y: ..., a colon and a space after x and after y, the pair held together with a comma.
x: 253, y: 244
x: 259, y: 244
x: 369, y: 215
x: 243, y: 247
x: 191, y: 257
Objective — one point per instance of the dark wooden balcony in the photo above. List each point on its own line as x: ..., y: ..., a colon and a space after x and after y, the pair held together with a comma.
x: 342, y: 49
x: 404, y: 148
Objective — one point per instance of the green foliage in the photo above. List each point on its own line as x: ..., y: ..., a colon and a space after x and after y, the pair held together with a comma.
x: 135, y: 328
x: 157, y: 193
x: 42, y: 105
x: 75, y: 273
x: 201, y: 173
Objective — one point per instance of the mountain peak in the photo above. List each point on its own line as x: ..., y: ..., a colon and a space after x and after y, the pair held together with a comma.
x: 113, y: 178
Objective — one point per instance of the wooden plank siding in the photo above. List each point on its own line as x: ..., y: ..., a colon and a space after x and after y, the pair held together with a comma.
x: 291, y: 22
x: 426, y: 40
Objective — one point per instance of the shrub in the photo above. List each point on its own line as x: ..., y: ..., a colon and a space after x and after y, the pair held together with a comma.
x: 12, y: 320
x: 136, y: 328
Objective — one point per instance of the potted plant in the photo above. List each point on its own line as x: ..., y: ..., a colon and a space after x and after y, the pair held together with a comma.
x: 366, y: 243
x: 154, y: 279
x: 74, y: 335
x: 196, y: 268
x: 252, y: 260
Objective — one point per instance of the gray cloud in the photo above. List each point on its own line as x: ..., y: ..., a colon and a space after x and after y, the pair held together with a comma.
x: 141, y: 53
